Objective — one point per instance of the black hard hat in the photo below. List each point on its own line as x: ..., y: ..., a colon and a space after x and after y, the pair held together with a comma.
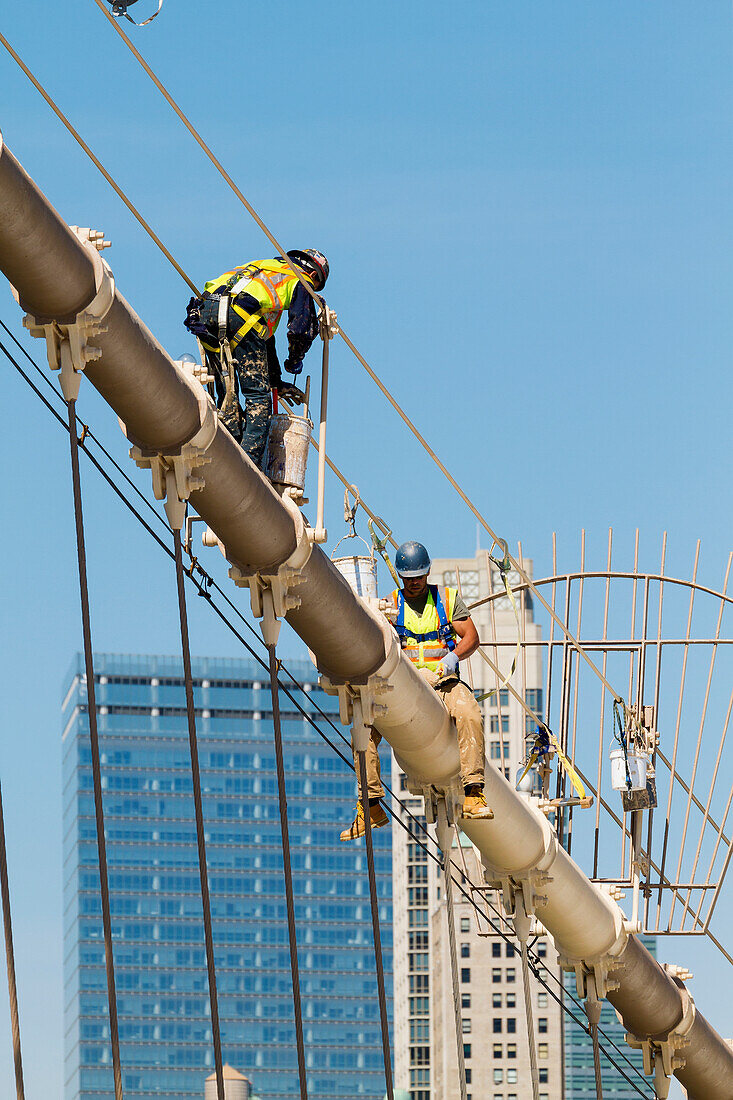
x: 412, y: 560
x: 313, y: 262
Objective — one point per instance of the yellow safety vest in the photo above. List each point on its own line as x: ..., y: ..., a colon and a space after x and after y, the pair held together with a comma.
x: 421, y: 641
x: 270, y: 282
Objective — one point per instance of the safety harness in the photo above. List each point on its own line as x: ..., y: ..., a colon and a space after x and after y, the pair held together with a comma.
x: 443, y: 634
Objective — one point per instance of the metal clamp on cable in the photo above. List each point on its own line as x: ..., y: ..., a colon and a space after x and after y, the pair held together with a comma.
x: 600, y: 969
x: 173, y: 477
x: 662, y: 1053
x: 68, y: 344
x: 270, y: 592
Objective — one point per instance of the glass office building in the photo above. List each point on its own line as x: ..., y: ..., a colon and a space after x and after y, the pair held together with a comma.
x: 162, y: 989
x: 580, y: 1081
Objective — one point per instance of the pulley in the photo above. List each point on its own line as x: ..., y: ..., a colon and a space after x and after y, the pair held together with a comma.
x: 119, y: 9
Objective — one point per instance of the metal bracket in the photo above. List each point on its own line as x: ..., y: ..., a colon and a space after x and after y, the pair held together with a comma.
x: 327, y: 323
x: 270, y: 592
x: 592, y: 977
x: 358, y: 706
x: 662, y: 1054
x: 528, y: 885
x: 173, y: 477
x: 68, y: 345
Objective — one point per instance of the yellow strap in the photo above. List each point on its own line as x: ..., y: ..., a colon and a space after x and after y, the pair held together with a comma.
x: 250, y: 320
x: 572, y: 774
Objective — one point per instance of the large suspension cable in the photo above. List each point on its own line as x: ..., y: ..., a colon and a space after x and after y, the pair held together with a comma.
x: 288, y: 871
x: 445, y: 840
x: 374, y: 902
x: 94, y: 742
x: 10, y: 960
x: 198, y: 805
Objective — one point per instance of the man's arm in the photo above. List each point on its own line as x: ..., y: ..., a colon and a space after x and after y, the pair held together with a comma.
x: 468, y: 641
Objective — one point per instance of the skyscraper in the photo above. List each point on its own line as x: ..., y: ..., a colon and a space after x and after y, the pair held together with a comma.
x: 492, y: 999
x: 156, y: 907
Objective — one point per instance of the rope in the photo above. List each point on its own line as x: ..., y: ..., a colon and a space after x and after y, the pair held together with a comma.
x: 288, y: 871
x: 530, y: 1022
x: 535, y: 963
x: 97, y: 163
x: 10, y: 959
x: 197, y: 801
x: 597, y: 1061
x: 94, y: 740
x: 457, y: 1015
x: 374, y: 901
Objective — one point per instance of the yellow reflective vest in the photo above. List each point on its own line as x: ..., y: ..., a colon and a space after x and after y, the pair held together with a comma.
x: 421, y: 636
x: 270, y: 282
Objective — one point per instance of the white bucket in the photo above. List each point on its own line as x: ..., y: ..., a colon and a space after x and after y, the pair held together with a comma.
x: 638, y: 763
x: 361, y: 573
x: 287, y: 449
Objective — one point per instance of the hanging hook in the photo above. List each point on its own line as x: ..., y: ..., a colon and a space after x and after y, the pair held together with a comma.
x: 350, y: 509
x: 119, y: 9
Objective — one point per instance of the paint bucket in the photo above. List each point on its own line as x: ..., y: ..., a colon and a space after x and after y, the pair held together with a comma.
x: 287, y: 449
x: 638, y: 763
x: 361, y: 573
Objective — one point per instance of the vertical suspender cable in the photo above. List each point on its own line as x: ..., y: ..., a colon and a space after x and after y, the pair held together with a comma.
x: 10, y: 959
x: 374, y: 900
x: 200, y: 837
x: 448, y: 885
x: 94, y: 742
x: 530, y: 1022
x: 593, y: 1012
x: 288, y: 872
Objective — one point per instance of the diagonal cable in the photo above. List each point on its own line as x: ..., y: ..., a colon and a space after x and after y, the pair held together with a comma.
x: 10, y: 960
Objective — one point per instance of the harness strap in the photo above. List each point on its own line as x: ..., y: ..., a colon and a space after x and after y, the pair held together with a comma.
x: 225, y: 354
x: 443, y: 634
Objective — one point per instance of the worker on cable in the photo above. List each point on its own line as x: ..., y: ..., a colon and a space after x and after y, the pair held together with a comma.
x: 436, y: 633
x: 235, y: 321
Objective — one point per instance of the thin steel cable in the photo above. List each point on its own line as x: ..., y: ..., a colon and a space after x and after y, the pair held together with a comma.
x: 374, y: 902
x: 457, y: 1014
x: 94, y: 742
x: 529, y: 1016
x: 10, y: 959
x: 597, y: 1061
x: 199, y: 810
x: 98, y: 164
x: 372, y: 374
x: 535, y: 962
x: 288, y: 871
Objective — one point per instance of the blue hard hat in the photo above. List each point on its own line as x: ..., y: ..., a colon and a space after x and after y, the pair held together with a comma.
x: 412, y: 560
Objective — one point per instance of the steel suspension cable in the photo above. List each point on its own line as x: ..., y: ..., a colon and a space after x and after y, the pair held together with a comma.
x: 530, y: 1021
x: 202, y: 591
x: 457, y: 1014
x: 374, y: 903
x: 287, y: 871
x: 199, y: 811
x: 94, y: 743
x: 10, y: 959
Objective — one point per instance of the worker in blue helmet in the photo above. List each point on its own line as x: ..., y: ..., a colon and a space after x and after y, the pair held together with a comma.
x: 436, y: 633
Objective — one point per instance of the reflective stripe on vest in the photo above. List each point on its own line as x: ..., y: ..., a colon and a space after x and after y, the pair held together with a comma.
x: 270, y: 282
x: 428, y: 637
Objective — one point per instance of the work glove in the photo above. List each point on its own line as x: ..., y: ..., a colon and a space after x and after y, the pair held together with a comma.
x: 448, y: 666
x: 293, y: 366
x: 290, y: 393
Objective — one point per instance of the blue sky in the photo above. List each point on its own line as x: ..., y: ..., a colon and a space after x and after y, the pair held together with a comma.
x: 527, y: 212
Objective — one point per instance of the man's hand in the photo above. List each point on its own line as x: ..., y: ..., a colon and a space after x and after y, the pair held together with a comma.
x: 290, y: 393
x: 449, y: 665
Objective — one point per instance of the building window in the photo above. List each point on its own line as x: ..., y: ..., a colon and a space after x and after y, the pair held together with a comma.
x: 465, y: 924
x: 511, y: 1076
x: 542, y: 1000
x: 542, y: 1025
x: 542, y: 1050
x: 542, y: 950
x: 511, y: 1000
x: 497, y: 1025
x: 544, y: 1075
x: 511, y: 1050
x: 465, y: 1000
x: 419, y: 1031
x: 511, y: 1025
x: 498, y: 1076
x: 496, y: 950
x: 498, y: 1050
x: 468, y: 1075
x: 510, y: 952
x: 466, y: 974
x: 466, y: 1050
x: 466, y: 1027
x: 465, y: 950
x: 496, y: 976
x: 511, y: 974
x: 419, y: 1056
x: 496, y: 1000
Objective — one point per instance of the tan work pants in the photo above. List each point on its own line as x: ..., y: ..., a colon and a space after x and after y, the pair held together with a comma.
x: 459, y: 701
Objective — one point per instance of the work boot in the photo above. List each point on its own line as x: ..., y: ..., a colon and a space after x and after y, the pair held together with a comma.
x: 474, y: 805
x: 358, y: 827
